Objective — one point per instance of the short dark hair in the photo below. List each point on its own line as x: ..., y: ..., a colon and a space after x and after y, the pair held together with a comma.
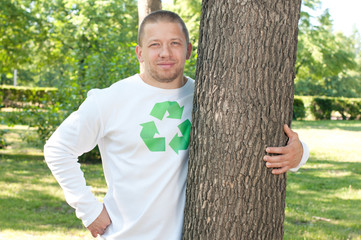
x: 162, y: 15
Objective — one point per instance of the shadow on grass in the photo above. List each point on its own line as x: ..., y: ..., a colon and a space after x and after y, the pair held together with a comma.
x: 30, y: 198
x: 351, y: 125
x: 21, y: 157
x: 20, y: 213
x: 324, y: 200
x: 336, y: 176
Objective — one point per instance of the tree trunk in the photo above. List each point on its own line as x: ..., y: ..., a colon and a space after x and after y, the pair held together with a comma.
x: 243, y: 96
x: 147, y: 6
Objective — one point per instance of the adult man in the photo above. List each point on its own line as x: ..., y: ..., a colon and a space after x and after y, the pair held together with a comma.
x: 145, y: 172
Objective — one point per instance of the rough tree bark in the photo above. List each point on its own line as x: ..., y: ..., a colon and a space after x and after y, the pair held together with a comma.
x: 243, y: 96
x: 147, y: 6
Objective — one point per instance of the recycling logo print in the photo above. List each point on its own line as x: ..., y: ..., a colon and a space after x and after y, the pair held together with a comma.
x: 149, y: 129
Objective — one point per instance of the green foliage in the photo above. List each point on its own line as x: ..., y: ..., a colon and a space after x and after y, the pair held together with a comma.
x: 299, y: 110
x: 322, y: 107
x: 2, y: 139
x: 75, y: 46
x: 19, y: 97
x: 348, y: 108
x: 70, y: 41
x: 328, y: 63
x: 91, y: 157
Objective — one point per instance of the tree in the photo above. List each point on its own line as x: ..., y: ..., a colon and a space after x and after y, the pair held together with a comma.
x: 325, y: 60
x: 147, y: 6
x: 19, y: 29
x: 243, y: 96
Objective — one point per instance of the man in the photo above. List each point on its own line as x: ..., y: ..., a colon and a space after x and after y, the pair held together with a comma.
x: 135, y: 124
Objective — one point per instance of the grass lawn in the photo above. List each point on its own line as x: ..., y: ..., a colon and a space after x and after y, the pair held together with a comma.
x: 323, y: 198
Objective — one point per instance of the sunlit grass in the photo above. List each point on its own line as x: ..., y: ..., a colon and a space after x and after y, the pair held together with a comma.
x: 323, y: 198
x: 32, y: 205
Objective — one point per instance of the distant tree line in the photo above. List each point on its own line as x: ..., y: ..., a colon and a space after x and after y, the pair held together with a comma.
x: 86, y: 44
x: 76, y: 45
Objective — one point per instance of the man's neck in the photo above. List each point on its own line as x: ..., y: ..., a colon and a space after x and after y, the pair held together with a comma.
x: 174, y: 84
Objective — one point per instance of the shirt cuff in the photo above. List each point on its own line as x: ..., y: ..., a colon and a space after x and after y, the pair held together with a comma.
x: 305, y: 156
x: 94, y: 215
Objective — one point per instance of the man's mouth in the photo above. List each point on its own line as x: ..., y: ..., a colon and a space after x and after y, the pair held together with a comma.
x: 166, y: 65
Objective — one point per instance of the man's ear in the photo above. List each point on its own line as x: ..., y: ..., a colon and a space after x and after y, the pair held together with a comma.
x: 189, y: 51
x: 138, y: 51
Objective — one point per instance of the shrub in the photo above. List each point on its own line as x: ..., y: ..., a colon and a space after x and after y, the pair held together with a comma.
x: 354, y: 109
x: 349, y: 108
x: 19, y: 97
x: 2, y: 138
x: 321, y: 108
x: 341, y: 106
x: 299, y: 110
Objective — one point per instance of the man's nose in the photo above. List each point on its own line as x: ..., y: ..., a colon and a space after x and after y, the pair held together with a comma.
x: 165, y: 51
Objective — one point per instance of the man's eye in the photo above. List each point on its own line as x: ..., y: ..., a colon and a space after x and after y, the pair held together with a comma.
x: 154, y: 44
x: 175, y: 43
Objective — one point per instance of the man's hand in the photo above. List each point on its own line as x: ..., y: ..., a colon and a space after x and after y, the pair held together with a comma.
x: 100, y: 224
x: 289, y: 156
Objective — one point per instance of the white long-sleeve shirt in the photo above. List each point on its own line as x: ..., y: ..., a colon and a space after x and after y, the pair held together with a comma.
x: 142, y: 133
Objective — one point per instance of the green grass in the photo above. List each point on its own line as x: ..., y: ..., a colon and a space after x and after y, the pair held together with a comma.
x: 32, y: 205
x: 323, y: 198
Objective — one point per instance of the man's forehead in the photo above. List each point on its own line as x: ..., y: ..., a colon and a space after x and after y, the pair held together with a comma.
x: 161, y: 27
x: 166, y: 24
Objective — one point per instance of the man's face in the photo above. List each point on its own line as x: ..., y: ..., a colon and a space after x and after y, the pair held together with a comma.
x: 163, y: 52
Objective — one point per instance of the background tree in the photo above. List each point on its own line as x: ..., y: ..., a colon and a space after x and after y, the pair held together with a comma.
x: 327, y: 62
x: 243, y: 96
x: 147, y: 6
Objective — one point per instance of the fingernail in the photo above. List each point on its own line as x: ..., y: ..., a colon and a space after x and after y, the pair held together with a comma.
x: 268, y: 164
x: 267, y: 149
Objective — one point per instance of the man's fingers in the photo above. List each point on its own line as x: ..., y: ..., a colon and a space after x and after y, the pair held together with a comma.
x: 277, y: 150
x: 276, y: 164
x: 273, y: 159
x: 94, y: 234
x: 97, y: 232
x: 288, y: 130
x: 280, y: 170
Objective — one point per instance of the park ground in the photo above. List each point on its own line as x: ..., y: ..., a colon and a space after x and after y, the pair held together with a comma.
x: 323, y: 198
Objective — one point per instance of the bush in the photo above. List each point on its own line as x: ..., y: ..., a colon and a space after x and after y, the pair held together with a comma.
x: 349, y: 108
x: 19, y: 97
x: 91, y: 157
x: 321, y: 108
x: 2, y: 139
x: 299, y: 110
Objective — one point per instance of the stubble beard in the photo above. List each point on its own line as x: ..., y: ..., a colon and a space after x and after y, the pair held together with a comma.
x: 166, y: 77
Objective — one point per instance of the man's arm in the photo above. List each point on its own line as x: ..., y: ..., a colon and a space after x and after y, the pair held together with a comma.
x: 79, y: 133
x: 290, y: 157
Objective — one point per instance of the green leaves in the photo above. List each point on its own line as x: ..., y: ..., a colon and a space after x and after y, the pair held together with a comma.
x: 326, y: 61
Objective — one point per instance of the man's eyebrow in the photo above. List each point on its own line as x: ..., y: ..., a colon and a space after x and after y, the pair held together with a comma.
x: 156, y: 39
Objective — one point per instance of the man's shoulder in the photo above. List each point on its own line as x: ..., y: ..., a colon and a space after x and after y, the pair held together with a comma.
x: 116, y: 88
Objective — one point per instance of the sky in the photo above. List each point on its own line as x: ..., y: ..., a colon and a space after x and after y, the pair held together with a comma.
x: 345, y: 14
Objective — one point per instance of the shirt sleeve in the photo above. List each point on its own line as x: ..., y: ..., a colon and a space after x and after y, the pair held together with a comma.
x: 305, y: 156
x: 78, y: 134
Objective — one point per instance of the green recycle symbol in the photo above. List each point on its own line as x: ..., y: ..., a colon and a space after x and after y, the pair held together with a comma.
x: 157, y: 144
